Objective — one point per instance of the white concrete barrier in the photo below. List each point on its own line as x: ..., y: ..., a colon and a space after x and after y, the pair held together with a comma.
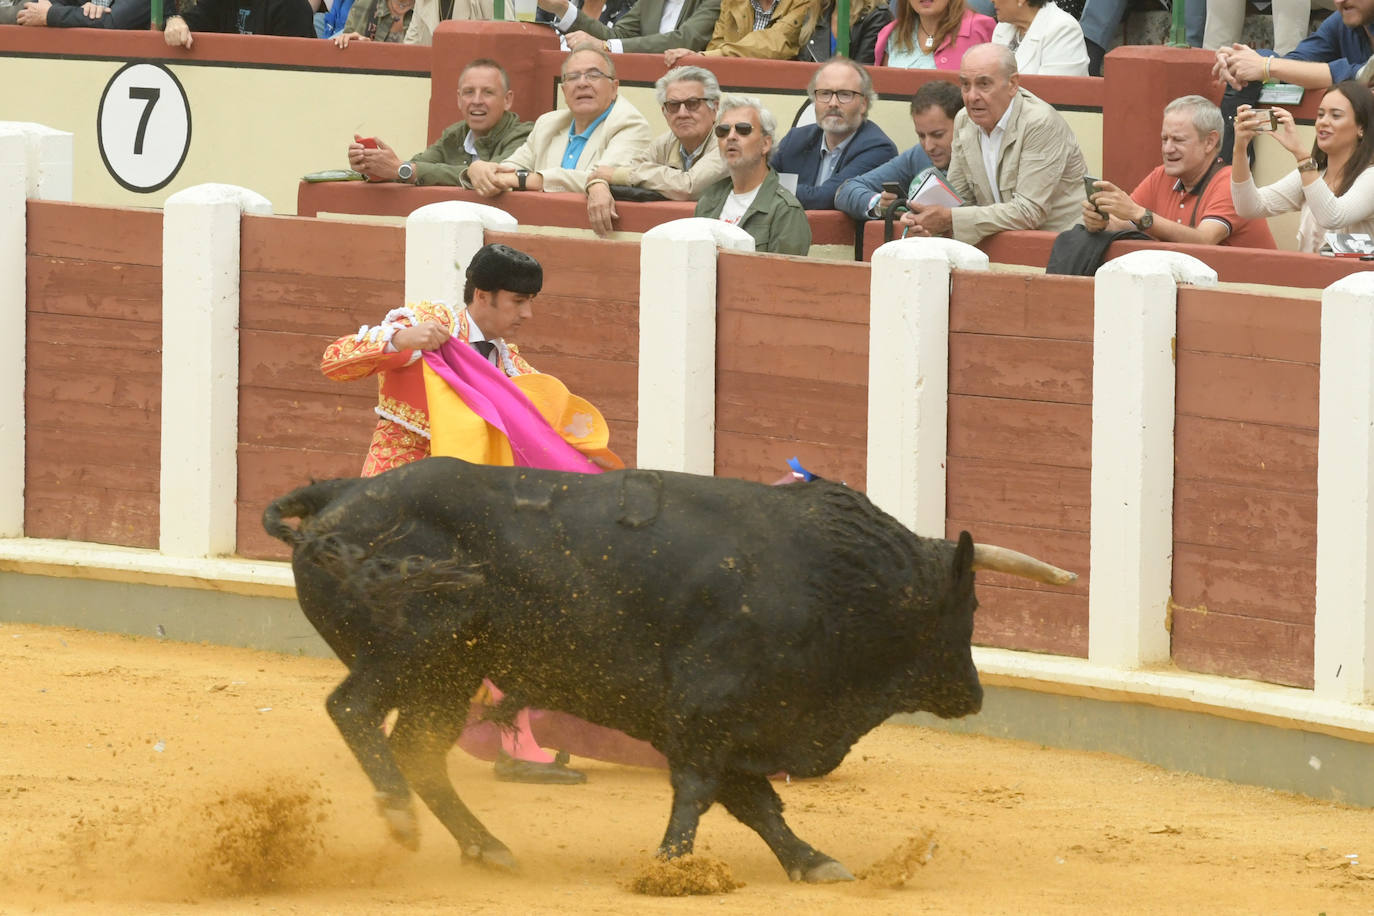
x: 1344, y: 628
x: 35, y: 163
x: 1135, y: 315
x: 908, y: 377
x: 441, y: 240
x: 200, y: 367
x: 677, y: 342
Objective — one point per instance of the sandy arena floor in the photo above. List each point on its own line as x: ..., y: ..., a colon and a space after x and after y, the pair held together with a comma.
x: 157, y: 777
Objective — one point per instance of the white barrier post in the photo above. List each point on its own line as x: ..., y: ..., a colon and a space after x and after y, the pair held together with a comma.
x: 35, y: 163
x: 440, y: 242
x: 908, y: 377
x: 1344, y: 626
x: 1135, y: 316
x: 200, y: 367
x: 677, y: 342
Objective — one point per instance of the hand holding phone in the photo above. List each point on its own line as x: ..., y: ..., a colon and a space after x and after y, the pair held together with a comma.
x: 1269, y: 119
x: 368, y: 142
x: 894, y: 188
x: 1090, y: 188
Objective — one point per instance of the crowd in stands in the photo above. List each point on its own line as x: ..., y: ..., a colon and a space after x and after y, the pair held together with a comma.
x: 1004, y: 158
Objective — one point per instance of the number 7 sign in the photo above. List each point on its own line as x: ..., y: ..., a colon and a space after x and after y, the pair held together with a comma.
x: 144, y: 127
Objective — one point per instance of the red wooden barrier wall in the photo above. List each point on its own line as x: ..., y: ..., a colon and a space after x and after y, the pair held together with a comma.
x: 1020, y: 446
x: 93, y: 378
x: 1245, y: 488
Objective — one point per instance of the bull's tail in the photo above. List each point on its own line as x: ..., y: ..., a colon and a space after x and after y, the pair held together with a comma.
x: 302, y: 504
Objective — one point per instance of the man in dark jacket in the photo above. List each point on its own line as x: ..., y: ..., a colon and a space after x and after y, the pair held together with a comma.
x: 488, y: 130
x: 67, y: 14
x: 650, y: 26
x: 290, y: 18
x: 842, y: 143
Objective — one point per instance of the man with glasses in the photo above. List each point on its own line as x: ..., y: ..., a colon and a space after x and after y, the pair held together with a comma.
x: 649, y: 27
x: 842, y: 143
x: 752, y: 197
x: 685, y: 161
x: 488, y: 131
x: 566, y: 145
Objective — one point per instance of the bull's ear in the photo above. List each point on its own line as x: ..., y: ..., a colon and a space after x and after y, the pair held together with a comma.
x: 961, y: 574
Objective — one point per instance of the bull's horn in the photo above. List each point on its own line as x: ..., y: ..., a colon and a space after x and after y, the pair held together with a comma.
x: 1005, y: 560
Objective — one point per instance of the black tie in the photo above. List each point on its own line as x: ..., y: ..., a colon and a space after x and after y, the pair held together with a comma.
x: 484, y: 347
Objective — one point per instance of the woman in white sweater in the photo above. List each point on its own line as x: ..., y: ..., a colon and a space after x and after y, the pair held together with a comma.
x: 1333, y: 185
x: 1045, y: 39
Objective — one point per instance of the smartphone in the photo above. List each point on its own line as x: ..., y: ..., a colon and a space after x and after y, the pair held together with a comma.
x: 1272, y: 123
x: 894, y: 188
x: 1089, y: 190
x: 369, y: 142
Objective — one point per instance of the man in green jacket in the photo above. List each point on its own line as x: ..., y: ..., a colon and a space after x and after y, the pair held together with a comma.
x: 752, y: 197
x: 489, y: 130
x: 650, y: 26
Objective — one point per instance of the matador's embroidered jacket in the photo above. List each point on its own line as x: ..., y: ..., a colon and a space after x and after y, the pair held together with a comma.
x: 402, y: 433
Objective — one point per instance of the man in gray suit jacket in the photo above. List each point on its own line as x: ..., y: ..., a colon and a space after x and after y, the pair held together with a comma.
x: 650, y: 27
x: 1015, y: 161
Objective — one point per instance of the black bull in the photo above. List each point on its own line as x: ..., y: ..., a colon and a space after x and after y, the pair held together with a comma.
x: 742, y: 629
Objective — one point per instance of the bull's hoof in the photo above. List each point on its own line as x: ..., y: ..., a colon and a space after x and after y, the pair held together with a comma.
x: 400, y: 820
x: 494, y: 855
x: 827, y: 871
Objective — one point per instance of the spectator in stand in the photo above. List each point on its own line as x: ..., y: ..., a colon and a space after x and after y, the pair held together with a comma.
x: 1333, y: 185
x: 685, y: 161
x: 933, y: 109
x: 763, y: 29
x: 487, y: 130
x: 1101, y: 21
x: 566, y: 145
x: 752, y: 197
x: 842, y: 143
x: 1334, y: 52
x: 1047, y: 41
x: 376, y: 20
x: 932, y: 35
x: 290, y: 18
x: 1188, y: 197
x: 122, y: 14
x: 867, y: 19
x: 1226, y: 19
x: 650, y: 26
x: 1016, y: 164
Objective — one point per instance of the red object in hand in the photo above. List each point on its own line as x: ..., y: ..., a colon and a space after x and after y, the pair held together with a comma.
x: 369, y: 142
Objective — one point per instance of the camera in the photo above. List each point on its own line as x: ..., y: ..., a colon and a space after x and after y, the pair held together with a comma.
x: 1273, y: 118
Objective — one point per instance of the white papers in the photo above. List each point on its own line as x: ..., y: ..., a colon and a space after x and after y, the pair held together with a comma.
x: 788, y: 180
x: 934, y: 191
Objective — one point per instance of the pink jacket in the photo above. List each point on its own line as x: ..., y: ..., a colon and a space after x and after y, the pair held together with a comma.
x: 974, y: 29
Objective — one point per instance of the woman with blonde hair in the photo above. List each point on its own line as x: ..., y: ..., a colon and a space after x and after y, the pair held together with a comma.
x: 931, y: 35
x: 1332, y: 186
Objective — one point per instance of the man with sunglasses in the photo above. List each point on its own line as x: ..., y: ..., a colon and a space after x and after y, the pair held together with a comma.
x: 685, y: 161
x: 567, y: 144
x: 842, y: 143
x: 752, y: 197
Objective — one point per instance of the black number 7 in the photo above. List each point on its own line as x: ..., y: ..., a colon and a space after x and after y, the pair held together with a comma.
x: 149, y: 95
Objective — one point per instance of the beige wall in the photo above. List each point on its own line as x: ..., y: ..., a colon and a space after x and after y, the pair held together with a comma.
x: 236, y: 137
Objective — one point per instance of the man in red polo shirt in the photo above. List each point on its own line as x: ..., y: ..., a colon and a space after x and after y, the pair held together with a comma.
x: 1188, y: 198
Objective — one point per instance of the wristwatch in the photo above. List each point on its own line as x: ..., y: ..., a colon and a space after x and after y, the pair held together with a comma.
x: 522, y: 176
x: 405, y: 171
x: 1145, y: 222
x: 1308, y: 165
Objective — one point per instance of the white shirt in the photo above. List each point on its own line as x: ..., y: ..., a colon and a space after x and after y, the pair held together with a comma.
x: 736, y: 205
x: 672, y: 9
x: 991, y: 146
x: 470, y: 144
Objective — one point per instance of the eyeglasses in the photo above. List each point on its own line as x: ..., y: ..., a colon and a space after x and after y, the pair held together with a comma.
x: 591, y: 76
x: 673, y: 106
x: 743, y: 128
x: 843, y: 96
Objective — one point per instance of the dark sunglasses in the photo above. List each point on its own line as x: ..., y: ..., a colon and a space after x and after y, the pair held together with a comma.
x: 743, y: 128
x: 672, y: 106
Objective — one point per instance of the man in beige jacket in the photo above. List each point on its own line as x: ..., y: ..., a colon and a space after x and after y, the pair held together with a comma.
x: 566, y: 145
x: 1016, y: 164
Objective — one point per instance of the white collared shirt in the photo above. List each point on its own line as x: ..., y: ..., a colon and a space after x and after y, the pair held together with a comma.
x: 991, y: 146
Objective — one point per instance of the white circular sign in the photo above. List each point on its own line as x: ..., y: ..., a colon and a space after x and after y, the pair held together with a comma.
x: 143, y: 126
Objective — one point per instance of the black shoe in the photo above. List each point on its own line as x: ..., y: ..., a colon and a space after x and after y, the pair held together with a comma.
x: 510, y: 769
